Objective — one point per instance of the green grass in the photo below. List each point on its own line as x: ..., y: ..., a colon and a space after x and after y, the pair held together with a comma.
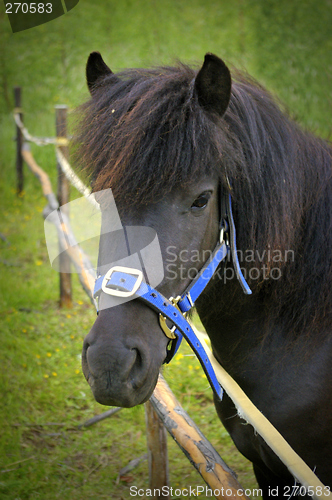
x: 285, y: 45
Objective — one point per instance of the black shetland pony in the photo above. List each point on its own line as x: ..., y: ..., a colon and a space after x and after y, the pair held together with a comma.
x: 167, y: 140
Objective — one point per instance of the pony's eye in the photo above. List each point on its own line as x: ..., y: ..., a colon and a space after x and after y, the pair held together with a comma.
x: 201, y: 202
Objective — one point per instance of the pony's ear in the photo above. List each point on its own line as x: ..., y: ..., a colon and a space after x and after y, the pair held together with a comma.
x: 213, y: 85
x: 95, y: 69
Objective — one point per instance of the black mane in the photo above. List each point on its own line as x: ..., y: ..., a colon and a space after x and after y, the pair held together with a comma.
x: 151, y: 134
x: 144, y: 133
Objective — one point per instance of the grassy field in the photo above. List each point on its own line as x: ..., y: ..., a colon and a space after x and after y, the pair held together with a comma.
x: 44, y: 397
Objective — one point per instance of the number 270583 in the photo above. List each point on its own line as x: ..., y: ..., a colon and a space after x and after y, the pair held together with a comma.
x: 31, y: 8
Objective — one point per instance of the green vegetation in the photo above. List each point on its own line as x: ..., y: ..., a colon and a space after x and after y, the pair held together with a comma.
x: 285, y: 45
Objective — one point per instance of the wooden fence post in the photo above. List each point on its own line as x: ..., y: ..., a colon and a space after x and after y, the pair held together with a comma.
x: 19, y: 142
x: 63, y: 198
x: 157, y: 451
x: 218, y: 476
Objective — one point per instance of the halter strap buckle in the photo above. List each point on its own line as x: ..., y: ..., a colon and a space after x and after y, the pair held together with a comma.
x: 170, y: 332
x: 121, y: 277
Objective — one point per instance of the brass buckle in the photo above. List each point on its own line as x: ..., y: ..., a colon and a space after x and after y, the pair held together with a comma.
x: 121, y: 293
x: 170, y: 332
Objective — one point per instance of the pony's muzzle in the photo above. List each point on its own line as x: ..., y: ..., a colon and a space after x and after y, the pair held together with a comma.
x: 111, y: 386
x: 122, y: 365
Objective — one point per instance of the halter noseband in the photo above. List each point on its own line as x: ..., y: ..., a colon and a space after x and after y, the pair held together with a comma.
x: 128, y: 282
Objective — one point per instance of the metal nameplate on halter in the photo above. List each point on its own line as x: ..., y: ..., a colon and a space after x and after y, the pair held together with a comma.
x: 122, y: 293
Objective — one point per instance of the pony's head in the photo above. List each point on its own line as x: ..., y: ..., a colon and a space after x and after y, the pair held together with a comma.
x: 157, y: 138
x: 168, y: 142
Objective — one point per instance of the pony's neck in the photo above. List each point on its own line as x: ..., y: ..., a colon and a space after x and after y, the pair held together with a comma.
x: 282, y: 195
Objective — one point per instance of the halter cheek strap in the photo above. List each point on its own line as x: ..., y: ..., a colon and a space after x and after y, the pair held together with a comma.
x: 126, y: 282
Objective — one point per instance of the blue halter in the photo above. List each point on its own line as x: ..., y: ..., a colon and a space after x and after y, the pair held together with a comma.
x: 126, y: 282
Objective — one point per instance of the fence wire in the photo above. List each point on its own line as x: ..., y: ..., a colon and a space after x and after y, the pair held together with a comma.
x: 62, y: 161
x: 40, y: 141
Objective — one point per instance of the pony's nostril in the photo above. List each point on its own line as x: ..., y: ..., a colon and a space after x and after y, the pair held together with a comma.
x: 136, y: 375
x: 138, y: 359
x: 86, y: 345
